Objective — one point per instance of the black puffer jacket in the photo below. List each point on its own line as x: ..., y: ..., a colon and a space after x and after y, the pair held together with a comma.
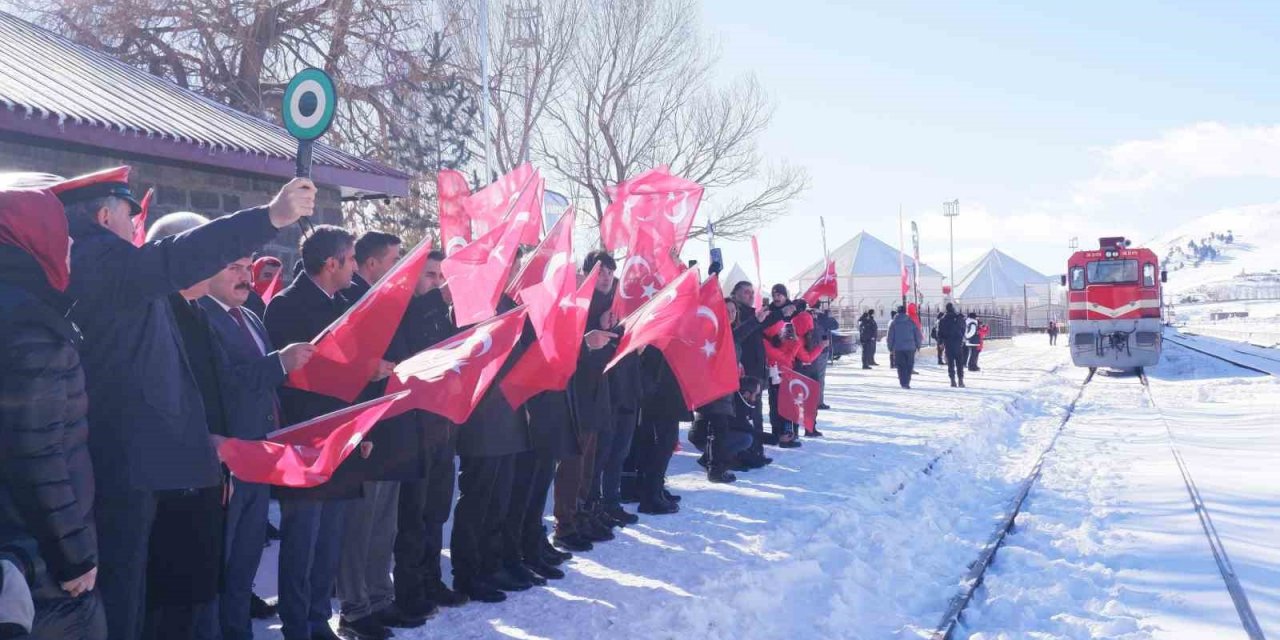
x: 46, y: 476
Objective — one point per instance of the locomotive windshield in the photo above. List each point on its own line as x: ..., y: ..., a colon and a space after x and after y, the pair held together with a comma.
x: 1113, y: 271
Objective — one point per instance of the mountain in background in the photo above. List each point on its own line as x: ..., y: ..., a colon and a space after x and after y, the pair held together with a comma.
x: 1231, y: 254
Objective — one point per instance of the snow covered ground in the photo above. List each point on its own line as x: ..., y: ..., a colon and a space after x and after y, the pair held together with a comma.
x: 849, y: 538
x: 1260, y: 328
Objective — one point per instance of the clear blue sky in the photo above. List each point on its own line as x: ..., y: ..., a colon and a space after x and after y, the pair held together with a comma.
x: 1046, y: 119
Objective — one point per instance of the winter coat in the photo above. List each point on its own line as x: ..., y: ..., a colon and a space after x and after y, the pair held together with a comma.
x: 249, y: 397
x: 662, y: 400
x: 205, y: 357
x: 749, y: 334
x: 971, y: 337
x: 428, y: 321
x: 298, y: 314
x: 496, y: 428
x: 46, y: 473
x: 781, y: 351
x: 588, y: 389
x: 551, y: 428
x: 904, y: 334
x: 808, y: 348
x: 951, y: 330
x: 868, y: 330
x: 149, y: 429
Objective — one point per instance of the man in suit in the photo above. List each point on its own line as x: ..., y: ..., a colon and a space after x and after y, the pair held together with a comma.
x: 149, y: 431
x: 311, y: 519
x: 252, y: 411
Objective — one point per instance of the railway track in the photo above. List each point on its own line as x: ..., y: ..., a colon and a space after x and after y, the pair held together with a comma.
x: 973, y: 578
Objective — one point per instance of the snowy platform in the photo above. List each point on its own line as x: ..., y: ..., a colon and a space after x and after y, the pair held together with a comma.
x: 851, y: 537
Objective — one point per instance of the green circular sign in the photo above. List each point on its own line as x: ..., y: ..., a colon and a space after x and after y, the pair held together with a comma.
x: 309, y: 104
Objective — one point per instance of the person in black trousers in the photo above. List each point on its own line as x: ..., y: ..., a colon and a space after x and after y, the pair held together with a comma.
x: 951, y: 333
x: 868, y: 334
x: 661, y: 412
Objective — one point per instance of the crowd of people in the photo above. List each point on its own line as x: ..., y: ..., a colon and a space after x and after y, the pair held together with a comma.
x: 126, y: 365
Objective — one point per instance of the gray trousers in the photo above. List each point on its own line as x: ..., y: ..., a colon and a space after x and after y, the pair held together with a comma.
x: 368, y: 541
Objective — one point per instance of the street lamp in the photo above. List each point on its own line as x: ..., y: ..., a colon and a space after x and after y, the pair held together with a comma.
x: 951, y: 210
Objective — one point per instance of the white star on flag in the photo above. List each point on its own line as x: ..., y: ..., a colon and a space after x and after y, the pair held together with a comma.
x: 649, y: 290
x: 709, y: 348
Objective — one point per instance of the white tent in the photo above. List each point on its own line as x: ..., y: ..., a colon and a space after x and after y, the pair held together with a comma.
x: 731, y: 276
x: 997, y: 281
x: 869, y: 277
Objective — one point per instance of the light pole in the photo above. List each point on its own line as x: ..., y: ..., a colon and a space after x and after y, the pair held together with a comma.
x: 951, y: 210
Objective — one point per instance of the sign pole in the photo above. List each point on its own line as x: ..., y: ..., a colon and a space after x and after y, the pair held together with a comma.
x: 310, y: 103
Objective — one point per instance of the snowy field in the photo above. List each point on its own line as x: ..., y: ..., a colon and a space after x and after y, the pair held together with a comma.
x: 849, y: 537
x: 1261, y: 328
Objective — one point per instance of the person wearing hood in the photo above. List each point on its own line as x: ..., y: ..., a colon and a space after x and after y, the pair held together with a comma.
x: 150, y: 432
x: 262, y: 273
x: 46, y: 500
x: 903, y: 341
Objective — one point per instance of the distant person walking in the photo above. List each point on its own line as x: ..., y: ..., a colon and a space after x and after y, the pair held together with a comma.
x: 868, y: 332
x: 973, y: 340
x: 933, y: 333
x: 904, y: 340
x: 1053, y: 333
x: 951, y: 334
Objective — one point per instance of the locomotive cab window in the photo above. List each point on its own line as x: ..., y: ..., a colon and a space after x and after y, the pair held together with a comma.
x: 1077, y: 278
x: 1113, y: 271
x: 1148, y: 275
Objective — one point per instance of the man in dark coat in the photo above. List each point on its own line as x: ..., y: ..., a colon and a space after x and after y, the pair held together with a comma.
x: 868, y: 335
x: 748, y: 335
x: 252, y: 411
x: 824, y: 328
x: 311, y: 519
x: 904, y: 340
x: 662, y: 411
x: 149, y: 429
x: 951, y: 333
x: 45, y: 499
x: 425, y: 503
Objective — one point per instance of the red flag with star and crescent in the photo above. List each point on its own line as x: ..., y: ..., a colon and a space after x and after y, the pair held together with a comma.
x: 349, y: 349
x: 558, y: 309
x: 478, y: 272
x: 647, y: 268
x: 798, y: 401
x: 452, y: 377
x: 656, y: 321
x: 306, y: 454
x: 488, y: 207
x: 825, y: 287
x: 701, y: 352
x: 655, y: 202
x: 455, y: 227
x: 559, y: 242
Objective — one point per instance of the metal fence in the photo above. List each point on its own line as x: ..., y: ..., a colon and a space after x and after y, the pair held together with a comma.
x: 1001, y: 321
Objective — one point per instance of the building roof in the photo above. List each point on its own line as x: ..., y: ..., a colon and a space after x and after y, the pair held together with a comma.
x: 51, y: 87
x: 731, y: 276
x: 864, y: 255
x: 996, y: 275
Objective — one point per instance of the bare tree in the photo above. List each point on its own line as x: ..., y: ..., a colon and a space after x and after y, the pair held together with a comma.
x: 393, y: 74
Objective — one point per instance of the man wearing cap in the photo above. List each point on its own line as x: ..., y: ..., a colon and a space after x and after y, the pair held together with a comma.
x: 149, y: 430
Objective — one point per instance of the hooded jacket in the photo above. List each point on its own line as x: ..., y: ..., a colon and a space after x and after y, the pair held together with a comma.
x: 46, y: 475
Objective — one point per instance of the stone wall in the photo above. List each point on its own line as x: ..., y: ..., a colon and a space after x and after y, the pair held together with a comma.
x: 179, y: 187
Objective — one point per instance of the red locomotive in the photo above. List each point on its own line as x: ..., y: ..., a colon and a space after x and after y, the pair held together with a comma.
x: 1114, y: 306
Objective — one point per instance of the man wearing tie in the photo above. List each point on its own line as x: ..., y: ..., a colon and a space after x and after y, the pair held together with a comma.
x: 252, y: 411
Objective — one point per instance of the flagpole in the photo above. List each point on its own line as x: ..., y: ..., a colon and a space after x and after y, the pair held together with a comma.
x: 902, y: 257
x: 825, y: 254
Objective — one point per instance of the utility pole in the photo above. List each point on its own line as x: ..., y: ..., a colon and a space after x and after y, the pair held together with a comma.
x: 951, y: 210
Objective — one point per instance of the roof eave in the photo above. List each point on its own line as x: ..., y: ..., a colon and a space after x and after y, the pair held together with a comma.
x: 350, y: 183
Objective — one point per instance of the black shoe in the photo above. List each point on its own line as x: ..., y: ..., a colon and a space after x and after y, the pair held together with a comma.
x: 813, y: 434
x: 480, y: 591
x: 573, y: 542
x: 507, y: 580
x: 521, y: 571
x: 443, y: 596
x: 423, y: 608
x: 906, y: 386
x: 720, y: 475
x: 590, y: 530
x: 627, y: 489
x: 794, y: 444
x: 953, y: 383
x: 551, y: 554
x: 866, y: 366
x: 824, y: 406
x: 962, y: 384
x: 260, y: 609
x: 755, y: 460
x: 770, y: 439
x: 671, y: 497
x: 366, y: 628
x: 324, y: 634
x: 604, y: 520
x: 740, y: 466
x: 659, y: 508
x: 544, y: 570
x: 621, y: 515
x: 393, y: 617
x: 704, y: 461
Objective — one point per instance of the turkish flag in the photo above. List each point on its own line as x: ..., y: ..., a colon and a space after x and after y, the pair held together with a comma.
x: 478, y: 272
x: 530, y: 201
x: 655, y: 323
x: 488, y: 207
x: 558, y: 311
x: 450, y: 378
x: 647, y: 268
x: 655, y: 202
x: 348, y: 351
x: 824, y: 287
x: 273, y: 287
x: 701, y: 352
x: 798, y: 401
x: 559, y: 242
x: 306, y: 454
x: 759, y: 288
x: 455, y: 226
x: 140, y: 220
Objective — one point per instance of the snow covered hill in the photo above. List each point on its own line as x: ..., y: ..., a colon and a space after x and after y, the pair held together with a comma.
x: 1230, y: 254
